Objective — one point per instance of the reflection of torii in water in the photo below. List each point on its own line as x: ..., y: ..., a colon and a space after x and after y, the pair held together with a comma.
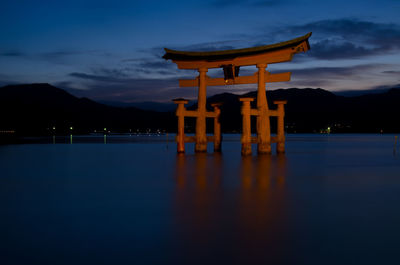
x: 231, y: 61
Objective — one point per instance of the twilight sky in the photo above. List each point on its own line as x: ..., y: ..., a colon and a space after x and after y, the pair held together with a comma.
x: 111, y: 50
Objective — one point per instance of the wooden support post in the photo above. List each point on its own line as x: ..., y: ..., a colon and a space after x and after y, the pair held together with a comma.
x: 180, y: 113
x: 217, y: 127
x: 201, y: 137
x: 246, y: 125
x: 263, y: 120
x: 280, y: 145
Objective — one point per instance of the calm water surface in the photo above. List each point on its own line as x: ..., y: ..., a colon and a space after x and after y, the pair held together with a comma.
x: 329, y: 200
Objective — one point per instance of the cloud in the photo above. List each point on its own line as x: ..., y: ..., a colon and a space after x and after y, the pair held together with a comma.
x: 387, y: 87
x: 153, y: 67
x: 56, y: 54
x: 71, y: 57
x: 101, y: 78
x: 117, y: 73
x: 12, y: 54
x: 114, y: 76
x: 391, y: 72
x: 128, y: 89
x: 159, y: 64
x: 331, y: 50
x: 331, y: 72
x: 328, y: 76
x: 117, y: 77
x: 310, y: 83
x: 351, y: 29
x: 349, y: 38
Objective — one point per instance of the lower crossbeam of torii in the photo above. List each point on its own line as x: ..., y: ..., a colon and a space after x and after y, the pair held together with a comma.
x: 231, y: 61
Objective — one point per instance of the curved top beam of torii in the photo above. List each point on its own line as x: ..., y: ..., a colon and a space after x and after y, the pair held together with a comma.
x: 232, y: 60
x: 267, y: 54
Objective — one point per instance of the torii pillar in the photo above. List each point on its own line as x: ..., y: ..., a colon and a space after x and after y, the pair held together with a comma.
x: 263, y: 121
x: 201, y: 137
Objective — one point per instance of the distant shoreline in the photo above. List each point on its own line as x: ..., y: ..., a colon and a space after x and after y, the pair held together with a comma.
x: 142, y: 138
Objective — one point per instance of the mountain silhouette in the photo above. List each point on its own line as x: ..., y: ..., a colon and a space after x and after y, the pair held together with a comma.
x: 314, y: 110
x: 36, y: 109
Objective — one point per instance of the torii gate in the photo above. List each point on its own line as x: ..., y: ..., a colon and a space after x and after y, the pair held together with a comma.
x: 231, y: 61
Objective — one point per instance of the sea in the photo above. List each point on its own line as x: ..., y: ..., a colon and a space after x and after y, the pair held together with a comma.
x: 131, y: 199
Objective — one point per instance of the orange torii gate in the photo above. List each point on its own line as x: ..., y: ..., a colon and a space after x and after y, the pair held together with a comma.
x: 231, y: 61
